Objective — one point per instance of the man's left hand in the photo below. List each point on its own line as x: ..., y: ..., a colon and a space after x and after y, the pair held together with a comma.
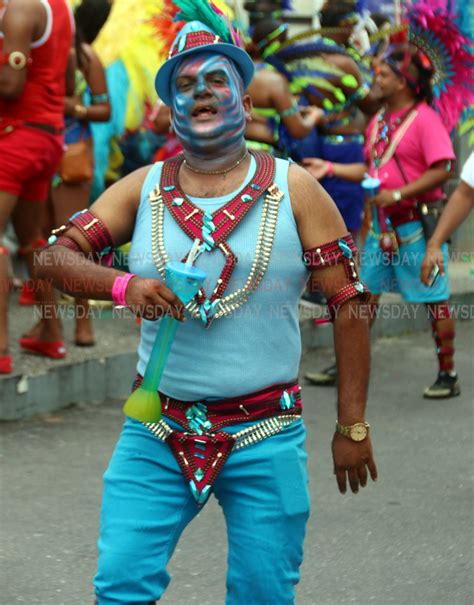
x: 384, y: 198
x: 351, y: 461
x: 433, y: 256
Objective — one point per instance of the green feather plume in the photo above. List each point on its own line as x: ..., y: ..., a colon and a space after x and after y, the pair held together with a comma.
x: 204, y: 11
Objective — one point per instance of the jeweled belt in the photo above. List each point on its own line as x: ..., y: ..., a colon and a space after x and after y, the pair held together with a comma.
x: 202, y: 448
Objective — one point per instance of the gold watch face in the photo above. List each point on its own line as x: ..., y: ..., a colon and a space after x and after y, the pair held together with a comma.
x: 358, y: 432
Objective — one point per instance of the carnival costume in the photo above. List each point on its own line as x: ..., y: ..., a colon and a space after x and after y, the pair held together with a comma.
x: 301, y: 60
x: 399, y: 149
x: 231, y: 421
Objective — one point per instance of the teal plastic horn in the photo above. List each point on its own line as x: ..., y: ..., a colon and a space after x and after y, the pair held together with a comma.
x: 144, y: 404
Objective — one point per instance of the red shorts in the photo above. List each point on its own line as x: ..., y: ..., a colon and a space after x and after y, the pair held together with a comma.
x: 29, y: 158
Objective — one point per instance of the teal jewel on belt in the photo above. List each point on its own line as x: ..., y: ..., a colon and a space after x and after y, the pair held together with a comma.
x: 287, y: 401
x: 359, y: 287
x: 52, y: 239
x: 246, y: 197
x: 345, y: 249
x: 168, y: 188
x: 177, y: 201
x: 197, y: 419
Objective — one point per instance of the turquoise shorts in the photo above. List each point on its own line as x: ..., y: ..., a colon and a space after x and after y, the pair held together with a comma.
x: 382, y: 272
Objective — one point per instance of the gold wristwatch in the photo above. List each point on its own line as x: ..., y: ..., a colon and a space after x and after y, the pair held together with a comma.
x: 356, y: 432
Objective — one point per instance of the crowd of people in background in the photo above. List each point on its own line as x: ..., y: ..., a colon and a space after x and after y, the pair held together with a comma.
x: 345, y: 100
x: 237, y: 170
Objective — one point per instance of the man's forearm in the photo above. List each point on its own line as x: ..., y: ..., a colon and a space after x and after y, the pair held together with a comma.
x: 352, y: 344
x: 457, y: 210
x: 74, y: 274
x: 427, y: 182
x: 350, y: 172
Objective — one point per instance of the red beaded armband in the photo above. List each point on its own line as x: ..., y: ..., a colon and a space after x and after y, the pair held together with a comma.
x: 343, y: 251
x: 346, y: 293
x: 67, y: 242
x: 330, y: 254
x: 94, y: 230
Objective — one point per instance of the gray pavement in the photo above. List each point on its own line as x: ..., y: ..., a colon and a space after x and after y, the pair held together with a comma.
x: 408, y: 539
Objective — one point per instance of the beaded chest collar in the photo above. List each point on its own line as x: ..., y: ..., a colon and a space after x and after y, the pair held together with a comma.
x: 213, y: 229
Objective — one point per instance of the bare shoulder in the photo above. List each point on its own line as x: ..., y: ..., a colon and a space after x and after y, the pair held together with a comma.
x: 23, y: 13
x: 117, y: 207
x: 266, y: 81
x: 125, y: 193
x: 277, y: 81
x: 344, y: 62
x: 317, y: 218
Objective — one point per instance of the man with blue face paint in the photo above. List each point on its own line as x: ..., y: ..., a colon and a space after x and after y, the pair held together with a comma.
x: 212, y: 124
x: 231, y: 423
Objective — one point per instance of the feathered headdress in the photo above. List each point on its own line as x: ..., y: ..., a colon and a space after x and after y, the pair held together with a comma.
x: 165, y: 24
x: 211, y: 15
x: 433, y: 30
x: 175, y: 14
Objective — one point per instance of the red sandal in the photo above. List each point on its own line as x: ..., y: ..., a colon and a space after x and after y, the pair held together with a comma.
x: 55, y: 350
x: 27, y: 295
x: 6, y: 364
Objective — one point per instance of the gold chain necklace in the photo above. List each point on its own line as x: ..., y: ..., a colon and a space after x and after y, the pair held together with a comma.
x: 225, y: 171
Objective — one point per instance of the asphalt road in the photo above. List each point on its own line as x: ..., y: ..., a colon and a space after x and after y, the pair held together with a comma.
x: 407, y: 540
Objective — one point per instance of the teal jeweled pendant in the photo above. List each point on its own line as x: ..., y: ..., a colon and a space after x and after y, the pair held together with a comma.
x: 199, y: 474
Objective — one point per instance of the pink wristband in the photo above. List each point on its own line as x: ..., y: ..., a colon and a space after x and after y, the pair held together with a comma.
x: 330, y: 170
x: 120, y: 287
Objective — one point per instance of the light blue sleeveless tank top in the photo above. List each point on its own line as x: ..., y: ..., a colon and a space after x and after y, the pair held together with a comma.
x: 260, y: 344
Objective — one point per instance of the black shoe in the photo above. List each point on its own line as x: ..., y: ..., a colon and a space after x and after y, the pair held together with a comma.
x: 444, y: 387
x: 325, y: 378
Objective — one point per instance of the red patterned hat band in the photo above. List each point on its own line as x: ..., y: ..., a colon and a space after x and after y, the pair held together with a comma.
x: 193, y: 40
x: 402, y: 66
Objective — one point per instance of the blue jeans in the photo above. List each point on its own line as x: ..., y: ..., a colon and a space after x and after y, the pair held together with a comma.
x: 147, y: 504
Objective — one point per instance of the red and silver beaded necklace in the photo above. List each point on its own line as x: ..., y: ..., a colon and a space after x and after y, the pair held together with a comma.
x: 213, y: 230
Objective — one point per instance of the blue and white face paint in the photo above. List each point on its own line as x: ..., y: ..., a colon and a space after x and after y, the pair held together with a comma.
x: 208, y: 113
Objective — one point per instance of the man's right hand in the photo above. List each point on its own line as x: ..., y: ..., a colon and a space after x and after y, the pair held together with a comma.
x: 151, y: 299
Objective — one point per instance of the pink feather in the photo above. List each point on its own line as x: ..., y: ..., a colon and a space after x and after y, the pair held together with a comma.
x: 450, y: 52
